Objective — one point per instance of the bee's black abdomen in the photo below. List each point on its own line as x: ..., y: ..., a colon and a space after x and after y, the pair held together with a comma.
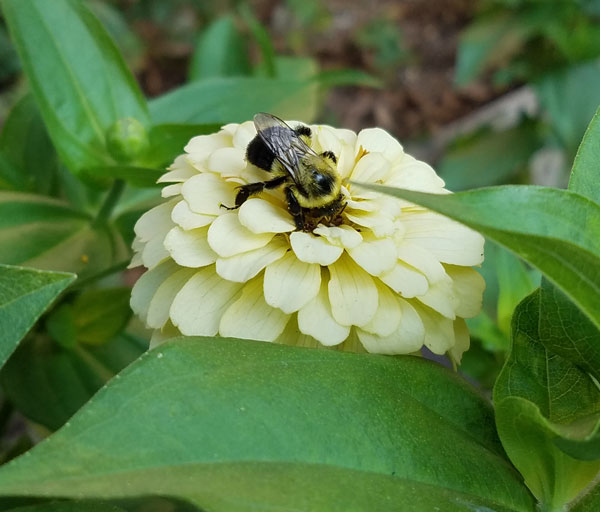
x: 303, y: 130
x: 257, y: 153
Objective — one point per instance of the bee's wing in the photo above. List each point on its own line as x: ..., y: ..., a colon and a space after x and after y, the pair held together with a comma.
x: 287, y: 147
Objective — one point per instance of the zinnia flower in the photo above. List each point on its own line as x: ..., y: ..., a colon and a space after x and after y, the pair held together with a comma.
x: 390, y: 278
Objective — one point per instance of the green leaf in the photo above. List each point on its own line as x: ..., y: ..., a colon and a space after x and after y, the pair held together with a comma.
x: 49, y: 235
x: 77, y: 75
x: 24, y: 142
x: 235, y: 425
x: 101, y: 314
x: 571, y: 97
x: 220, y: 51
x: 262, y: 38
x: 224, y: 100
x: 482, y: 159
x: 48, y: 383
x: 585, y: 175
x: 69, y: 506
x: 486, y: 43
x: 135, y: 176
x: 25, y: 294
x: 515, y: 283
x: 540, y: 397
x: 554, y: 230
x: 168, y: 140
x: 341, y: 77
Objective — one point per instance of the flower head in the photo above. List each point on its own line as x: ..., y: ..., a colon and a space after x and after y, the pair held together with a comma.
x: 390, y: 278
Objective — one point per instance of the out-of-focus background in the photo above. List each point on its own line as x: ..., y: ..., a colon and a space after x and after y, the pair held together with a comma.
x: 487, y: 91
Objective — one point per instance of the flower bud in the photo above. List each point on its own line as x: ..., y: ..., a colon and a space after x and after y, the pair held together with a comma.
x: 127, y: 139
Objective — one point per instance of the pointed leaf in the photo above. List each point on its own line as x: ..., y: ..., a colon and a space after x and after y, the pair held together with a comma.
x: 556, y: 231
x: 229, y: 424
x: 77, y: 75
x: 585, y: 175
x: 25, y: 294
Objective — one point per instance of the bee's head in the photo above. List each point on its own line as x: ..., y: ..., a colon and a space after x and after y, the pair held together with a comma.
x: 323, y: 181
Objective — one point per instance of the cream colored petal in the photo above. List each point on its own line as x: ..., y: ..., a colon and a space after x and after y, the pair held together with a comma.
x: 180, y: 170
x: 289, y: 283
x: 440, y: 296
x: 468, y: 285
x: 227, y: 161
x: 200, y: 147
x: 422, y: 260
x: 406, y: 339
x: 227, y: 237
x: 316, y: 319
x: 145, y: 287
x: 155, y: 221
x: 206, y: 192
x: 260, y: 216
x: 292, y: 335
x: 376, y: 140
x: 448, y: 241
x: 243, y: 267
x: 413, y: 174
x: 371, y: 168
x: 244, y: 133
x: 325, y: 139
x: 343, y: 236
x: 352, y: 293
x: 171, y: 190
x: 137, y: 246
x: 314, y: 249
x: 154, y: 251
x: 365, y: 205
x: 439, y: 331
x: 190, y: 248
x: 187, y: 219
x: 198, y: 307
x: 388, y: 314
x: 381, y: 224
x: 352, y: 343
x: 405, y: 280
x: 159, y: 336
x: 158, y: 311
x: 376, y: 255
x: 462, y: 341
x: 250, y: 317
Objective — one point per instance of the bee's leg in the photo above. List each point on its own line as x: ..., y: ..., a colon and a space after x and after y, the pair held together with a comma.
x: 250, y: 189
x: 294, y: 208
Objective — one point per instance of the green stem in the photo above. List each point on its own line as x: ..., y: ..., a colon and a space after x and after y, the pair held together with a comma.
x: 110, y: 202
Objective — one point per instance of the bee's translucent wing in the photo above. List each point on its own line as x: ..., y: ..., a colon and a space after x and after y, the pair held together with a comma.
x: 283, y: 141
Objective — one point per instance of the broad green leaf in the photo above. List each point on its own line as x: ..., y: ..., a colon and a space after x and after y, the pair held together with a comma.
x: 77, y: 75
x: 571, y: 97
x: 9, y: 61
x: 515, y: 283
x: 540, y: 397
x: 567, y: 332
x: 556, y: 231
x: 585, y: 175
x: 101, y: 314
x: 24, y: 142
x: 168, y: 140
x: 338, y: 77
x: 220, y: 51
x: 135, y: 176
x: 48, y: 383
x: 482, y: 159
x: 224, y: 100
x: 25, y: 294
x: 49, y: 235
x: 240, y: 425
x: 11, y: 178
x: 488, y: 42
x: 69, y: 506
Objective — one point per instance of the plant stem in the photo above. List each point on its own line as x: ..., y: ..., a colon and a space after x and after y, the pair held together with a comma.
x: 110, y: 202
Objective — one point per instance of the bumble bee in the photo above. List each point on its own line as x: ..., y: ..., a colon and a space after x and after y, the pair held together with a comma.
x: 311, y: 183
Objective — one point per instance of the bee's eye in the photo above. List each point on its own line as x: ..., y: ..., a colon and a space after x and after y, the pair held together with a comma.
x: 322, y: 181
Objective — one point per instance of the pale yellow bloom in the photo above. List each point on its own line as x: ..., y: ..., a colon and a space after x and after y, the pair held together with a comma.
x: 391, y: 278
